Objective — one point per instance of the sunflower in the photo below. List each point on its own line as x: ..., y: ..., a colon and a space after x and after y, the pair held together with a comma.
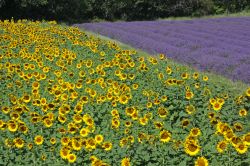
x: 61, y: 118
x: 243, y: 112
x: 217, y: 106
x: 23, y: 128
x: 201, y: 161
x: 165, y: 136
x: 43, y: 101
x: 248, y: 92
x: 115, y: 113
x: 19, y: 142
x: 64, y: 152
x: 71, y: 157
x: 185, y: 122
x: 229, y: 135
x: 30, y: 146
x: 1, y: 123
x: 189, y: 95
x: 123, y: 142
x: 125, y: 162
x: 43, y: 157
x: 190, y: 109
x: 211, y: 115
x: 5, y: 110
x: 12, y: 126
x: 246, y: 139
x: 99, y: 138
x: 52, y: 140
x: 149, y: 104
x: 84, y: 132
x: 35, y: 85
x: 195, y: 75
x: 77, y: 118
x: 158, y: 125
x: 76, y: 144
x: 115, y: 123
x: 88, y: 121
x: 221, y: 101
x: 197, y: 85
x: 47, y: 122
x: 91, y: 143
x: 135, y: 86
x: 192, y: 148
x: 26, y: 98
x: 143, y: 121
x: 238, y: 126
x: 241, y: 148
x: 128, y: 123
x: 236, y: 140
x: 184, y: 75
x: 195, y: 132
x: 123, y: 99
x: 107, y: 146
x: 38, y: 140
x: 205, y: 78
x: 162, y: 112
x: 221, y: 146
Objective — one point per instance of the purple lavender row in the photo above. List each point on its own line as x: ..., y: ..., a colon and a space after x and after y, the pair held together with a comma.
x: 219, y: 45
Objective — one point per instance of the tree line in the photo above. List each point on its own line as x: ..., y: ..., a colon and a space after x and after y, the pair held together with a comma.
x: 72, y: 11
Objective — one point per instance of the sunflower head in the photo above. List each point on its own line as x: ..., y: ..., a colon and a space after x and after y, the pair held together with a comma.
x: 201, y: 161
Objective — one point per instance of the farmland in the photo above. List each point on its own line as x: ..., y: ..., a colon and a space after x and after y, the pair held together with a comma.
x: 219, y: 45
x: 68, y: 98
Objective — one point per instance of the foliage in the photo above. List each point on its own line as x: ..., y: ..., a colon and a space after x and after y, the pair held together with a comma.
x: 70, y: 98
x: 86, y: 10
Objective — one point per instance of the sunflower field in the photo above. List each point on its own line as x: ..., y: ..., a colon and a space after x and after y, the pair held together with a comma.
x: 67, y: 98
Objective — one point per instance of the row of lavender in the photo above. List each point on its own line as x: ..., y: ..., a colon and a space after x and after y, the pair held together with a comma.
x: 219, y: 45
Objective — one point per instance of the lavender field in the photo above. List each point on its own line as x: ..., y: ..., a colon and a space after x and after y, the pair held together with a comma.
x: 219, y: 45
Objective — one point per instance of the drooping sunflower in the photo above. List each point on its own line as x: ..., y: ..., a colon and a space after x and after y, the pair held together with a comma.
x: 201, y: 161
x: 165, y: 136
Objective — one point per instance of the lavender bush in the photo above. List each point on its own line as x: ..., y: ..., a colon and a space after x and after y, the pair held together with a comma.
x: 220, y: 45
